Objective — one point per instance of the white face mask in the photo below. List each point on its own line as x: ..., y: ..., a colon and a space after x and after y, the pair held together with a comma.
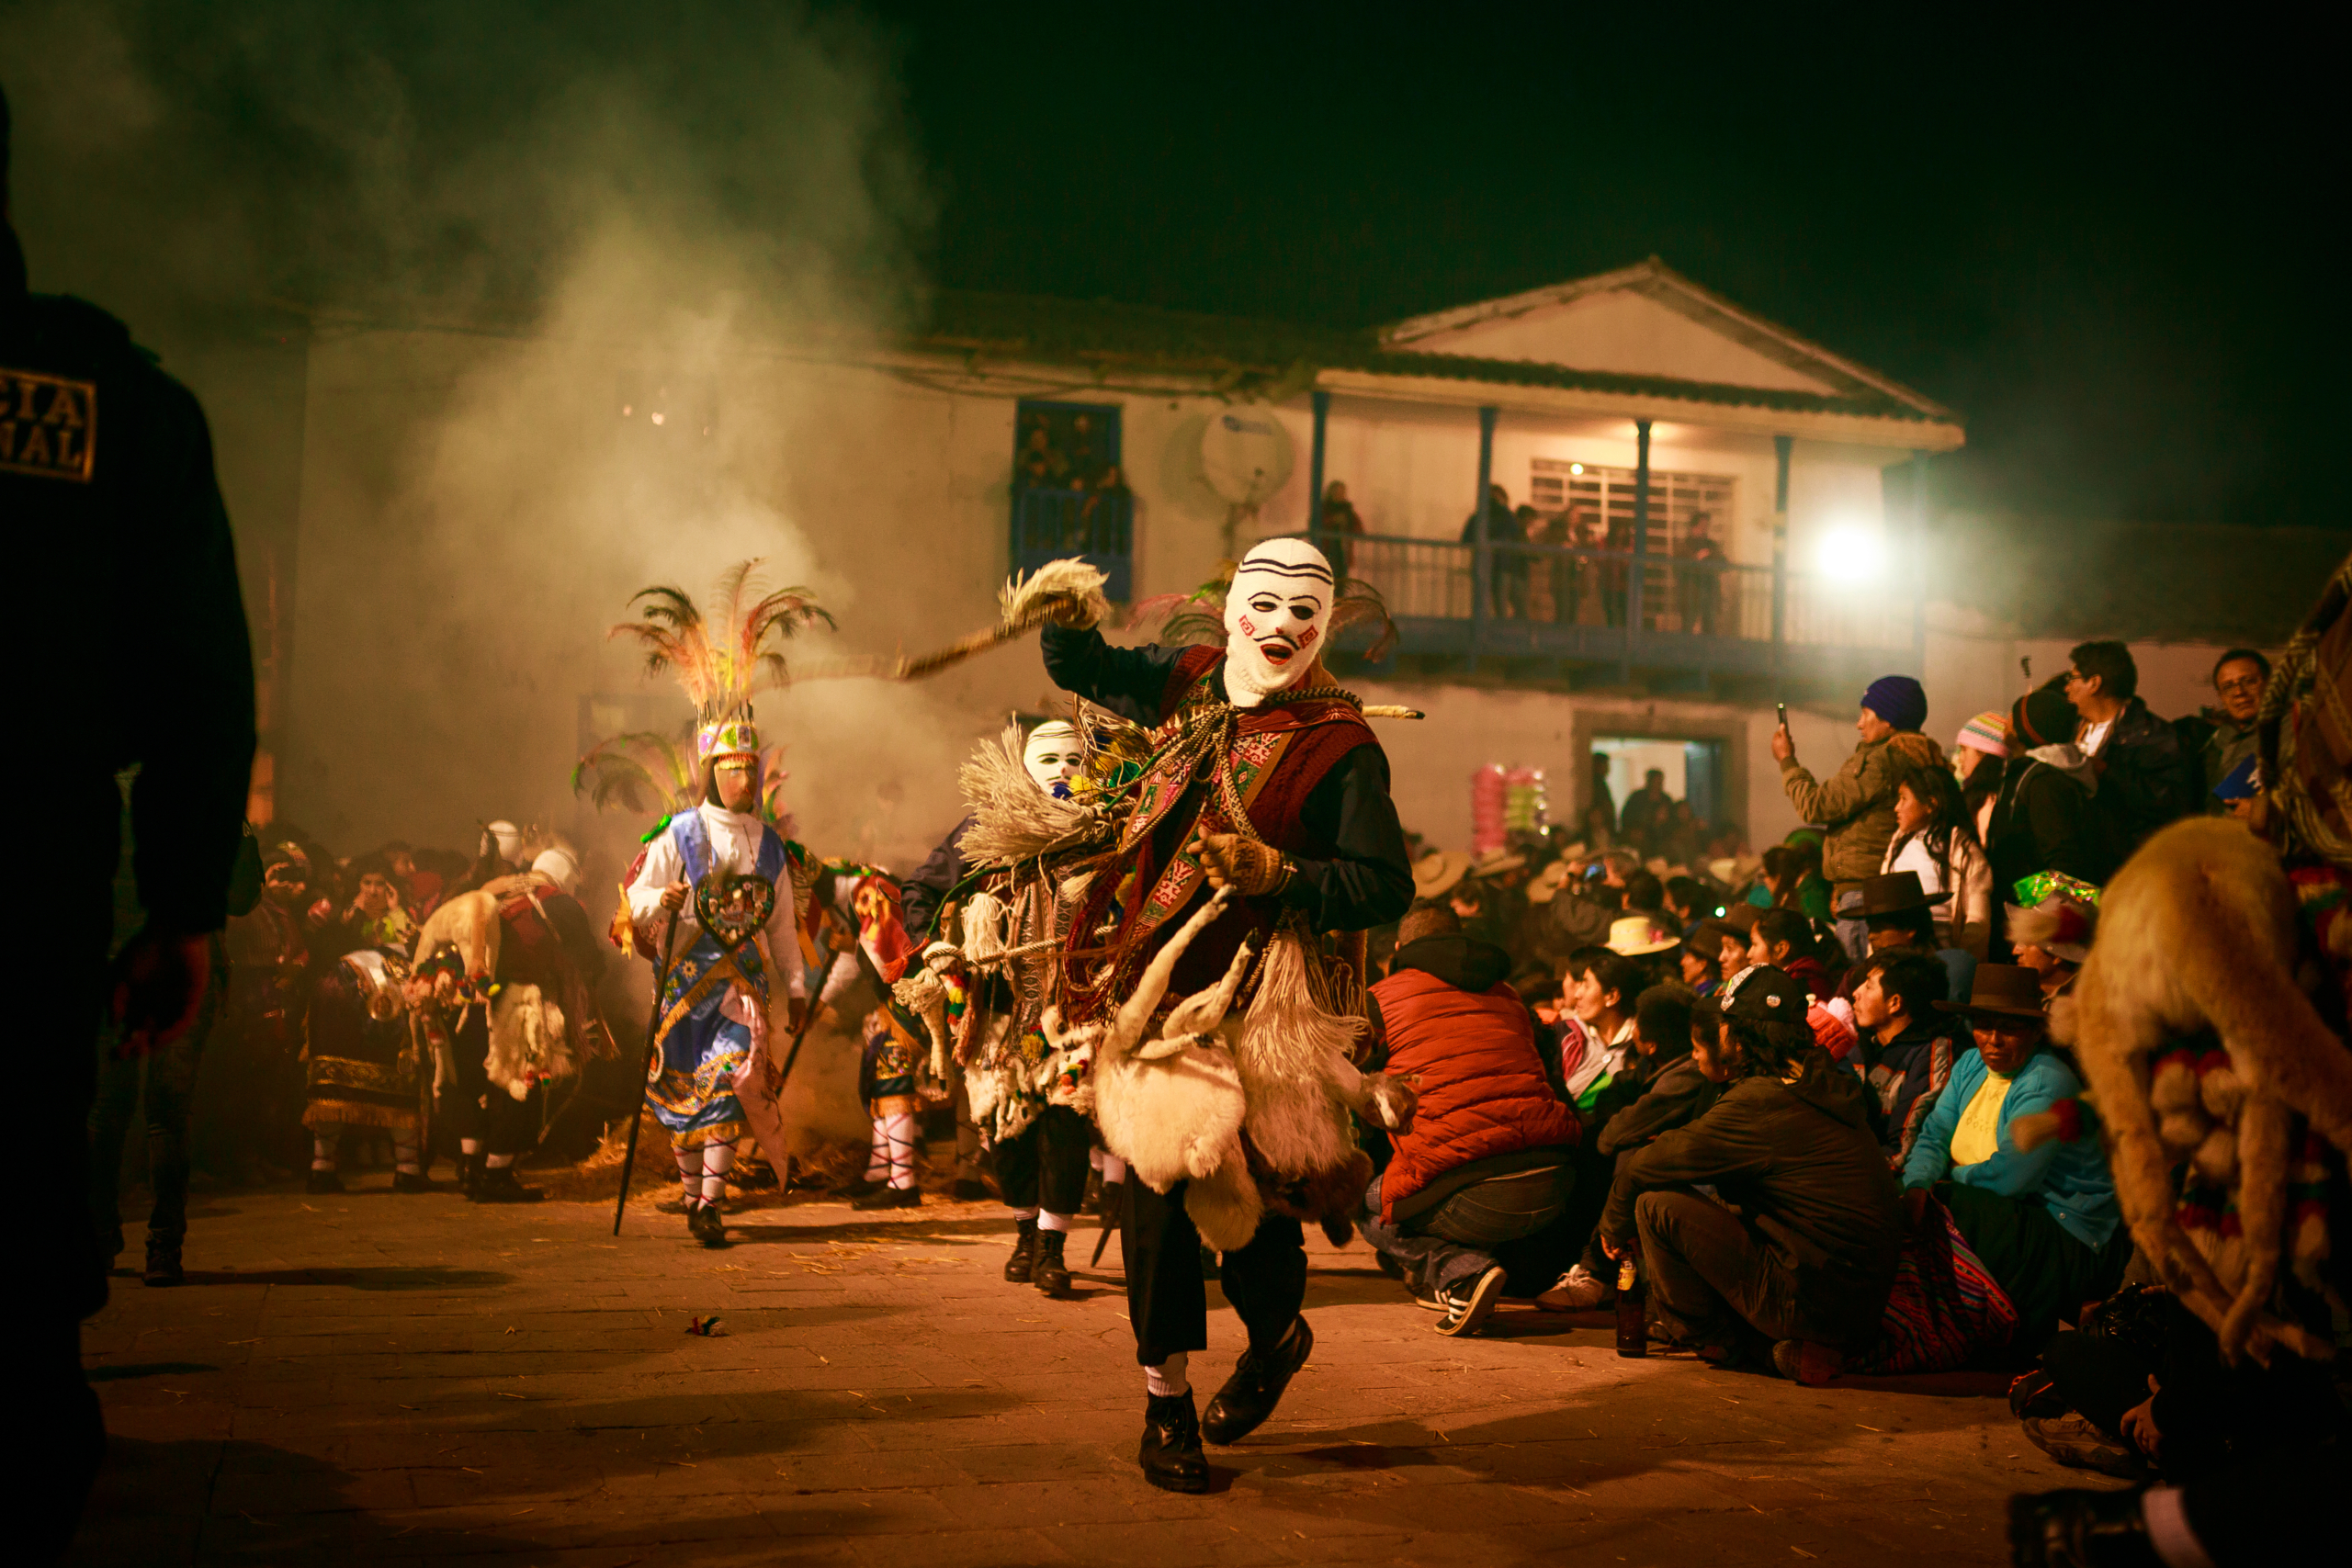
x: 1054, y: 753
x: 1275, y: 616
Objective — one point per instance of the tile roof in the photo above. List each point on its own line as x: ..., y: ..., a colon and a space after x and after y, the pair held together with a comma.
x: 1252, y: 355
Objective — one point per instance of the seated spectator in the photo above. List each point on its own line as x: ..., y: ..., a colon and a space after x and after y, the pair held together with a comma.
x: 1689, y: 900
x: 1907, y: 1047
x: 2053, y: 936
x: 1897, y: 914
x: 1663, y: 1091
x: 2045, y: 1223
x: 1599, y: 988
x: 2044, y: 819
x: 1645, y: 895
x: 1935, y: 837
x: 1487, y: 1158
x: 1701, y: 957
x: 1784, y: 940
x: 1797, y: 1250
x: 2146, y: 779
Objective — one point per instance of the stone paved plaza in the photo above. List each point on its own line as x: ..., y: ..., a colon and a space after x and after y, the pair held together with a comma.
x: 393, y: 1379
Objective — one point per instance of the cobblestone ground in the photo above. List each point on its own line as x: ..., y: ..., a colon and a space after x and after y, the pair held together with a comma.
x: 391, y: 1379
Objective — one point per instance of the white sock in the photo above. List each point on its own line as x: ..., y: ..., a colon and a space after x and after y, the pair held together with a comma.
x: 322, y: 1149
x: 1113, y: 1168
x: 899, y: 1131
x: 1051, y: 1222
x: 1168, y: 1378
x: 470, y: 1145
x: 499, y: 1162
x: 877, y: 1164
x: 406, y: 1152
x: 718, y: 1159
x: 690, y: 1172
x: 1028, y: 1213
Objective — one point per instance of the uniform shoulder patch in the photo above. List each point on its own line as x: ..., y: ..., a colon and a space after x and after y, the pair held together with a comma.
x: 48, y: 425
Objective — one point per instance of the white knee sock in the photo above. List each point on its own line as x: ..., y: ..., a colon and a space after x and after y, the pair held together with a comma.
x: 1113, y: 1168
x: 1028, y: 1213
x: 1168, y: 1378
x: 1052, y: 1222
x: 690, y: 1172
x: 898, y: 1133
x: 470, y: 1145
x: 877, y: 1164
x: 407, y: 1153
x: 497, y: 1162
x: 323, y: 1146
x: 718, y: 1159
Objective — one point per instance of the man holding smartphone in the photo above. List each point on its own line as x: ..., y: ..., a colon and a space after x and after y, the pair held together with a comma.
x: 1857, y: 805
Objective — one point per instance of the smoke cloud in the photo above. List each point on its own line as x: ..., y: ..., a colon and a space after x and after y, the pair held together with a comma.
x: 494, y: 230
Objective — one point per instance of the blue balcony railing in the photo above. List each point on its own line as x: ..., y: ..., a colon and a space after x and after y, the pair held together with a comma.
x: 1053, y: 524
x: 1584, y: 617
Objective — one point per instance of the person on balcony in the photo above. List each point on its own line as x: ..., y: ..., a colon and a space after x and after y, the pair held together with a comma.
x: 1507, y: 568
x: 1857, y: 806
x: 1699, y: 579
x: 1339, y: 529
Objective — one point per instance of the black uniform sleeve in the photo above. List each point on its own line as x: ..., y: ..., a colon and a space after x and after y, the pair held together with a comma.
x: 195, y: 738
x: 1368, y: 881
x: 1130, y: 682
x: 928, y: 888
x: 578, y: 935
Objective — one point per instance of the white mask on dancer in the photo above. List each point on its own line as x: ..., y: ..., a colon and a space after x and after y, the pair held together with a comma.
x: 1053, y: 755
x: 1275, y: 616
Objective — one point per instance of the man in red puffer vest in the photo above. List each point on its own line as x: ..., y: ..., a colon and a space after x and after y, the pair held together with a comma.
x: 1487, y: 1158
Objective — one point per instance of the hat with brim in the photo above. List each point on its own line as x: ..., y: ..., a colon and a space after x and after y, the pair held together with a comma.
x: 2058, y: 924
x: 2002, y: 992
x: 1636, y: 935
x: 1707, y: 937
x: 1436, y: 874
x: 1546, y: 884
x: 1893, y: 894
x: 1494, y: 863
x: 1742, y: 918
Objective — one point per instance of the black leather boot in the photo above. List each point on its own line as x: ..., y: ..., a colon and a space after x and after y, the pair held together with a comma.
x: 164, y: 1265
x: 496, y: 1184
x: 1256, y: 1386
x: 1049, y: 1273
x: 1017, y: 1268
x: 706, y: 1227
x: 321, y: 1181
x: 1170, y: 1452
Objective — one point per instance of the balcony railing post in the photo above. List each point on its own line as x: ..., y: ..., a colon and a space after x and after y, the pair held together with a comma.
x: 1482, y: 560
x: 1781, y: 445
x: 1638, y: 602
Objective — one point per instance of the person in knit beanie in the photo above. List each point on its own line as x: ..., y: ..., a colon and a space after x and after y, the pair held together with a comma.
x: 1856, y: 806
x: 1977, y: 753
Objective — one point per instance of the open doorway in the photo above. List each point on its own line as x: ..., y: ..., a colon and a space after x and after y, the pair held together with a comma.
x: 1693, y: 769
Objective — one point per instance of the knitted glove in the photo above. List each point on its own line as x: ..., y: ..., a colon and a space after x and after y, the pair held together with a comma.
x: 1245, y: 865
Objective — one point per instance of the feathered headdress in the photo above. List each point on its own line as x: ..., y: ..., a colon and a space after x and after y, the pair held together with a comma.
x: 723, y: 665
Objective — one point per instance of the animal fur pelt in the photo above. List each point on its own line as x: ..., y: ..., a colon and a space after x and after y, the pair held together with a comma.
x: 468, y: 924
x: 1012, y: 820
x: 2197, y: 935
x: 1175, y: 1108
x: 1026, y: 602
x: 526, y: 1041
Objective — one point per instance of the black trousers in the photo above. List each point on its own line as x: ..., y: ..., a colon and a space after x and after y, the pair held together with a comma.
x: 1045, y: 1166
x: 163, y: 1086
x: 2047, y: 1274
x: 1714, y: 1277
x: 1167, y: 1298
x: 504, y: 1124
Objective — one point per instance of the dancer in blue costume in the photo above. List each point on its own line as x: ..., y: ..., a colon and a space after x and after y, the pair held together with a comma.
x: 718, y: 1014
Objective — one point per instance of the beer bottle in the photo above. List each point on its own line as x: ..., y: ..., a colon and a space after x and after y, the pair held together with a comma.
x: 1633, y: 1326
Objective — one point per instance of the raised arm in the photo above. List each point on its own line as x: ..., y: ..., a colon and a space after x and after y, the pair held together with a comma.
x: 1130, y: 682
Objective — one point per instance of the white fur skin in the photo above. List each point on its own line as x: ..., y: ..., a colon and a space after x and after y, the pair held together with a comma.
x: 526, y: 1041
x: 2198, y: 932
x: 1174, y: 1108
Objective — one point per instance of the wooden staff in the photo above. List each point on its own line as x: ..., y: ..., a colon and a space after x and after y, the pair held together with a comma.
x: 652, y: 1034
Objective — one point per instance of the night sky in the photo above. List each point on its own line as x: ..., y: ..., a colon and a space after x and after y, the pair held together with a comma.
x: 2103, y: 245
x: 2103, y: 248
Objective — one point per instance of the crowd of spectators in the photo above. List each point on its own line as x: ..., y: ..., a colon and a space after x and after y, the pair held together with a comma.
x: 1792, y: 1112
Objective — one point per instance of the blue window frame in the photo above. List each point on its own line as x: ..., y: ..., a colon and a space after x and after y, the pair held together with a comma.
x: 1070, y: 491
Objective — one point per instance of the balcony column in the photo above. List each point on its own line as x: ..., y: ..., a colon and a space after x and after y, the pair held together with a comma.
x: 1322, y: 401
x: 1920, y: 561
x: 1482, y: 560
x: 1781, y: 445
x: 1637, y: 597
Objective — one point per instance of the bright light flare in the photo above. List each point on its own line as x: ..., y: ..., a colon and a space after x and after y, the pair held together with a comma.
x: 1853, y: 555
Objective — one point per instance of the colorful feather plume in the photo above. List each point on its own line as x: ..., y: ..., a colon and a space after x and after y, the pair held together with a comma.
x: 722, y: 665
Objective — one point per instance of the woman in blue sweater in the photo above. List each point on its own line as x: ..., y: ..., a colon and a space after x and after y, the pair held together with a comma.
x: 2044, y: 1223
